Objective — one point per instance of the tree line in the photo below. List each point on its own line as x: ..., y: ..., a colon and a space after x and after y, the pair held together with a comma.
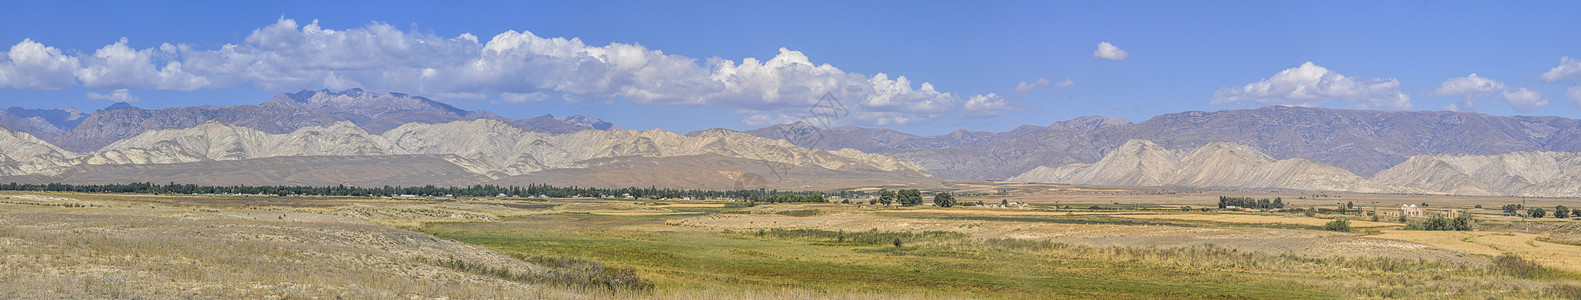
x: 530, y: 190
x: 1249, y: 202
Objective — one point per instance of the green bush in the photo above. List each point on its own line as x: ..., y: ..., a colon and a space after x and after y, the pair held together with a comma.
x: 943, y: 199
x: 1340, y: 225
x: 559, y: 271
x: 1440, y: 223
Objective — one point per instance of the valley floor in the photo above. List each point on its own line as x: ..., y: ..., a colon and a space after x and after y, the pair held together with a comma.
x: 63, y: 245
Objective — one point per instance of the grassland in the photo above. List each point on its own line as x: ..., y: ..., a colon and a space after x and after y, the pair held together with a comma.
x: 161, y: 246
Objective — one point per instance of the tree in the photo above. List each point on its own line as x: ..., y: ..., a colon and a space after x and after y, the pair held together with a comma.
x: 1340, y: 225
x: 943, y: 199
x: 911, y: 197
x: 886, y: 196
x: 1561, y: 212
x: 1536, y: 212
x: 1350, y: 204
x: 1279, y: 203
x: 1461, y: 223
x: 1004, y: 202
x: 1512, y: 208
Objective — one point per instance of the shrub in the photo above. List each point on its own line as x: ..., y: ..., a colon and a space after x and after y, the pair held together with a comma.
x: 1440, y: 223
x: 1510, y: 264
x: 560, y: 271
x: 1561, y: 212
x: 1536, y: 212
x: 943, y: 199
x: 800, y: 212
x: 1340, y: 225
x: 1512, y: 208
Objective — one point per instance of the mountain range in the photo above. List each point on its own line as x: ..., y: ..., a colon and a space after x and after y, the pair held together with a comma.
x: 284, y: 113
x: 488, y: 149
x: 1363, y: 142
x: 1276, y: 147
x: 1229, y: 165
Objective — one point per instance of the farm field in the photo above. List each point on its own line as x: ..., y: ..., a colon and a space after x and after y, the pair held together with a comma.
x: 73, y: 245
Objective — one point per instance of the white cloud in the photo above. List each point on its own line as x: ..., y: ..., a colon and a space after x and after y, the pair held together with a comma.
x: 511, y: 66
x: 1110, y: 52
x: 120, y: 95
x: 1472, y: 88
x: 1568, y: 68
x: 1024, y: 87
x: 1524, y: 99
x: 119, y: 66
x: 988, y: 105
x: 1310, y: 84
x: 31, y: 65
x: 1469, y: 85
x: 1065, y: 84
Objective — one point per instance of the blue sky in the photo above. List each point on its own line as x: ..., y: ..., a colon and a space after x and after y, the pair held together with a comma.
x: 1180, y: 56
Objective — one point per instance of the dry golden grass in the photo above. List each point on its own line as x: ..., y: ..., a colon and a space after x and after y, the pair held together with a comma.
x: 1528, y: 246
x: 134, y: 251
x: 1239, y: 218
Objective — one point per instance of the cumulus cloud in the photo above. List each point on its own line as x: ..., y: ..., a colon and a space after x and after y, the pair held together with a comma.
x: 988, y: 105
x: 1310, y: 84
x: 1024, y: 87
x: 1569, y: 68
x: 31, y: 65
x: 1524, y: 99
x: 514, y: 66
x: 1472, y: 89
x: 1110, y: 52
x: 120, y: 95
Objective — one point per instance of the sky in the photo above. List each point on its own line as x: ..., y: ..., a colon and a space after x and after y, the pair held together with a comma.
x: 923, y: 67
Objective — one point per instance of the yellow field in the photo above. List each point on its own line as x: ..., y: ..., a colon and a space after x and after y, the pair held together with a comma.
x: 1526, y: 245
x: 1254, y: 219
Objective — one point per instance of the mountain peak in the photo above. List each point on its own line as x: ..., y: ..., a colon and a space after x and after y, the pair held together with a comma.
x: 119, y: 105
x: 1090, y: 123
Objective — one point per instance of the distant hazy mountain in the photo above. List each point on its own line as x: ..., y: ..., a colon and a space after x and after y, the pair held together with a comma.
x: 284, y: 113
x: 41, y: 123
x: 1218, y: 165
x: 563, y: 124
x: 1363, y: 142
x: 374, y: 112
x: 881, y: 139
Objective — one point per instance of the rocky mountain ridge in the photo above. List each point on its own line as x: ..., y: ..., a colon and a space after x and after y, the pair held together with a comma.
x: 487, y: 147
x: 1215, y: 165
x: 1360, y: 141
x: 285, y: 113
